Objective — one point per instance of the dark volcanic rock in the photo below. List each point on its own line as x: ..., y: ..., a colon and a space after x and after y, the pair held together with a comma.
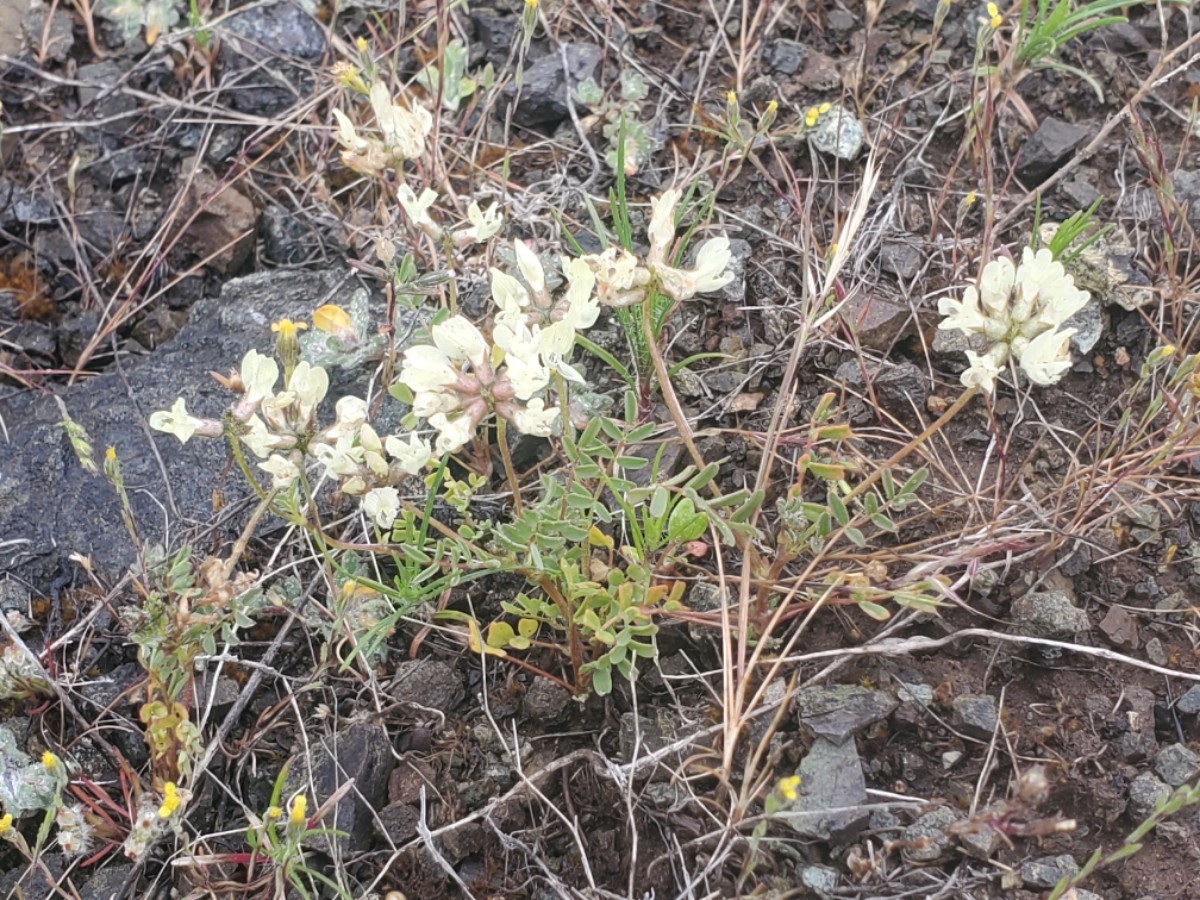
x: 1047, y: 149
x: 543, y: 94
x: 361, y: 752
x: 51, y: 507
x: 254, y: 45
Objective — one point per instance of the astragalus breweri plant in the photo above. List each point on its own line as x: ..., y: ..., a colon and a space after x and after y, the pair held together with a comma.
x: 1018, y: 311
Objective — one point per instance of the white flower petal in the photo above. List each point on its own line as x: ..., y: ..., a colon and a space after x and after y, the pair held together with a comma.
x: 711, y: 270
x: 426, y: 368
x: 662, y: 225
x: 381, y: 505
x: 417, y: 208
x: 996, y: 285
x: 530, y: 266
x: 535, y: 419
x: 309, y: 383
x: 508, y: 293
x: 282, y: 470
x: 461, y: 341
x: 412, y: 456
x: 177, y: 422
x: 259, y: 374
x: 1047, y: 357
x: 453, y: 434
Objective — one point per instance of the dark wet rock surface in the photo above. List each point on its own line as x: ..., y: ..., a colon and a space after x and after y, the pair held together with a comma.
x: 50, y: 507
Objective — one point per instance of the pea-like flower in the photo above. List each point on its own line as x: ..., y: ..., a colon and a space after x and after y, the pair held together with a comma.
x: 622, y: 280
x: 382, y: 505
x: 459, y: 379
x: 484, y: 224
x: 403, y: 132
x: 1018, y: 312
x: 182, y: 424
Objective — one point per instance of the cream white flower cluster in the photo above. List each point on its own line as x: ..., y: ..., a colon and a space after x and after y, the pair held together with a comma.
x: 281, y: 429
x: 402, y: 134
x: 460, y: 379
x: 1019, y: 311
x: 622, y: 279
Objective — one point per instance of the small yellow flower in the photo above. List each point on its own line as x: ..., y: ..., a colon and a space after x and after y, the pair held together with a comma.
x: 970, y: 198
x: 331, y: 319
x: 274, y: 812
x: 171, y: 800
x: 50, y: 761
x: 824, y: 108
x: 994, y: 14
x: 789, y: 787
x: 297, y: 810
x: 287, y: 345
x: 361, y: 44
x: 5, y: 823
x: 811, y: 116
x: 773, y: 107
x: 111, y: 454
x: 532, y: 4
x: 286, y: 328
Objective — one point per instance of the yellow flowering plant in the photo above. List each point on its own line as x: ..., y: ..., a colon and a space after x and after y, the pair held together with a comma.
x: 281, y: 849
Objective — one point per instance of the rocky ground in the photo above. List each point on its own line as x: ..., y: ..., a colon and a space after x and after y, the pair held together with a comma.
x: 162, y: 203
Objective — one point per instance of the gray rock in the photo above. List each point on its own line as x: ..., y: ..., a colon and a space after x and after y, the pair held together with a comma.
x: 982, y: 841
x: 100, y: 91
x: 398, y: 822
x: 362, y: 752
x: 107, y: 884
x: 641, y: 736
x: 543, y: 94
x: 839, y: 711
x: 1047, y: 149
x: 407, y: 781
x: 1089, y: 327
x: 545, y: 701
x: 494, y: 34
x: 819, y: 879
x: 1048, y: 614
x: 899, y: 388
x: 876, y: 322
x: 900, y: 259
x: 282, y: 235
x: 1176, y: 764
x: 1189, y: 703
x: 1048, y: 871
x: 460, y: 842
x: 1186, y: 187
x: 222, y: 226
x: 975, y: 715
x: 927, y: 837
x: 35, y: 883
x: 51, y: 507
x: 1145, y: 793
x: 1138, y: 741
x: 23, y: 206
x: 1155, y: 652
x: 218, y: 694
x: 254, y: 43
x: 786, y: 57
x: 427, y: 682
x: 831, y: 784
x: 55, y: 43
x: 838, y: 133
